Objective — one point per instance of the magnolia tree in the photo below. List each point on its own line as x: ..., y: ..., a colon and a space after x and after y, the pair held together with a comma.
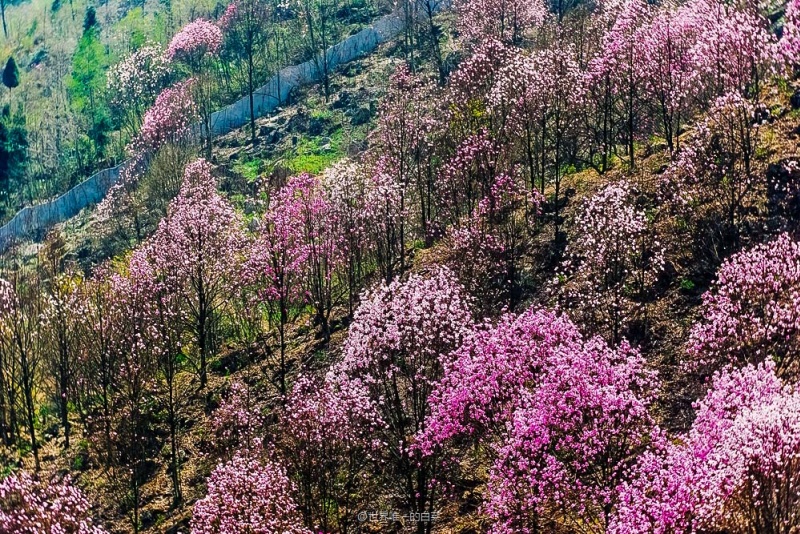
x: 195, y: 48
x: 32, y: 506
x: 717, y: 168
x: 486, y: 249
x: 275, y: 266
x: 560, y: 416
x: 397, y: 347
x: 736, y: 470
x: 751, y: 311
x: 327, y: 439
x: 199, y: 246
x: 22, y: 338
x: 134, y: 83
x: 246, y: 494
x: 506, y: 20
x: 613, y: 262
x: 670, y: 74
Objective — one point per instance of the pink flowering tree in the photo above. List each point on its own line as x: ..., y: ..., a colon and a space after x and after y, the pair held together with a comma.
x: 246, y: 494
x: 134, y: 346
x: 323, y: 242
x: 32, y: 506
x: 790, y: 39
x: 736, y: 51
x: 487, y: 246
x: 352, y: 206
x: 618, y: 67
x: 403, y: 145
x: 164, y: 133
x: 613, y: 262
x: 199, y: 246
x: 276, y: 265
x: 751, y: 312
x: 508, y: 21
x: 735, y: 470
x: 559, y: 416
x: 169, y: 120
x: 670, y: 76
x: 21, y: 345
x: 327, y: 439
x: 195, y: 41
x: 195, y: 48
x: 135, y: 82
x: 238, y: 423
x: 717, y: 169
x: 397, y: 347
x: 165, y: 319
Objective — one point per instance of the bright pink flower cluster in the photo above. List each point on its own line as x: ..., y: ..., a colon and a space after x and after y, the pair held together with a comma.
x: 737, y: 470
x: 561, y: 415
x: 752, y: 312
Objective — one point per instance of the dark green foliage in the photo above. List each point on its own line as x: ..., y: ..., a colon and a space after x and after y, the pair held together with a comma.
x: 90, y: 20
x: 56, y: 6
x: 11, y: 74
x: 13, y: 150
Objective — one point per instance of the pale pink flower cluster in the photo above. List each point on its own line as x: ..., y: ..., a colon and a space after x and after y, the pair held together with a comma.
x: 248, y: 495
x: 613, y: 261
x: 737, y: 470
x: 29, y: 506
x: 139, y: 77
x: 505, y: 20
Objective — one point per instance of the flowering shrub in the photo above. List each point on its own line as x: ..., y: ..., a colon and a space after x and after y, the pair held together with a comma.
x: 168, y: 120
x: 561, y: 417
x: 613, y: 261
x: 247, y: 495
x: 196, y: 40
x: 28, y: 506
x: 735, y: 471
x: 751, y: 310
x: 327, y: 439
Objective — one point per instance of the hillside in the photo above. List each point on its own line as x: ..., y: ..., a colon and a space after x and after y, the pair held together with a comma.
x: 527, y: 267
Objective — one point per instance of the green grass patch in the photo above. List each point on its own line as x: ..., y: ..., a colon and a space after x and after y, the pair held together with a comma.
x: 313, y: 155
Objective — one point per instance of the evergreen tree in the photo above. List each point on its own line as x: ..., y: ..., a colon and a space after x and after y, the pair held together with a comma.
x: 11, y: 74
x: 13, y: 150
